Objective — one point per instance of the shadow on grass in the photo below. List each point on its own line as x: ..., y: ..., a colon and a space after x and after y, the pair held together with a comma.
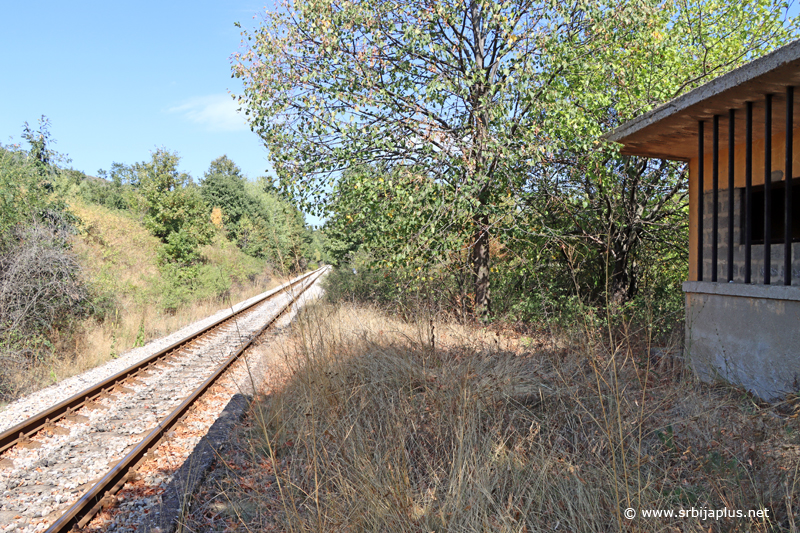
x: 383, y: 425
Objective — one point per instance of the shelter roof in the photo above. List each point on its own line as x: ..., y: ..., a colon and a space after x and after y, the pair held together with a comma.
x: 670, y: 130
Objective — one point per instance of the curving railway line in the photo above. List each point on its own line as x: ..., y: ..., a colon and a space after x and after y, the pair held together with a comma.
x: 60, y: 467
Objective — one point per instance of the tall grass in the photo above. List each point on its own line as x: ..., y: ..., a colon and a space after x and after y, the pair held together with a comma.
x: 384, y: 425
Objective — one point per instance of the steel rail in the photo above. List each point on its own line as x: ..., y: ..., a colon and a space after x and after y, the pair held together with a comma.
x: 36, y: 423
x: 101, y: 493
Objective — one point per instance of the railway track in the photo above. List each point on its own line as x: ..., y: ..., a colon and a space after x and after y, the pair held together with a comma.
x: 69, y: 460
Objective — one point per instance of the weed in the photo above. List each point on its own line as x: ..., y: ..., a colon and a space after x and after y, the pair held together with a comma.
x: 139, y: 336
x: 373, y: 430
x: 113, y: 352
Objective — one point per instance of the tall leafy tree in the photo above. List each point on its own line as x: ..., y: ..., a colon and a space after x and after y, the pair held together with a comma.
x: 620, y: 211
x: 274, y: 229
x: 476, y: 99
x: 26, y: 188
x: 39, y: 140
x: 262, y: 224
x: 175, y: 211
x: 224, y: 187
x: 451, y: 90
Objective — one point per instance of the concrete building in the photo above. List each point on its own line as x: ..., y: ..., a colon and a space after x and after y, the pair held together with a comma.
x: 738, y: 134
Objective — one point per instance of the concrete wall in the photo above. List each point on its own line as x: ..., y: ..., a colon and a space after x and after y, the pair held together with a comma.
x: 757, y: 250
x: 748, y: 335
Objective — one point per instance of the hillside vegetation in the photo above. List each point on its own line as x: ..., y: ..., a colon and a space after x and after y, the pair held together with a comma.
x: 91, y: 267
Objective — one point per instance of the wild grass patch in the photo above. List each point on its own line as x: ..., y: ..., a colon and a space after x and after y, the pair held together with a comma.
x: 383, y: 425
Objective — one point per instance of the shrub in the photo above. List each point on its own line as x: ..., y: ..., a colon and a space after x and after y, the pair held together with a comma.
x: 41, y: 283
x: 42, y: 292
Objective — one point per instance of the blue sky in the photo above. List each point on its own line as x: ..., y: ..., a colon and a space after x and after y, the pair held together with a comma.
x: 118, y: 80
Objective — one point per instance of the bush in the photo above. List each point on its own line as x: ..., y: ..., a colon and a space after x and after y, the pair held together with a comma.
x: 99, y: 191
x: 527, y: 295
x: 41, y: 283
x: 42, y: 293
x: 218, y: 267
x: 347, y: 283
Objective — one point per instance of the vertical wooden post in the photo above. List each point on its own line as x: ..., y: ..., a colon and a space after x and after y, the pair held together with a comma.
x: 748, y: 193
x: 767, y: 188
x: 731, y: 147
x: 714, y: 197
x: 787, y: 183
x: 700, y: 199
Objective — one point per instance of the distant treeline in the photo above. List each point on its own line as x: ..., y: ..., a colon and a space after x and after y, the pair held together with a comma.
x: 185, y: 214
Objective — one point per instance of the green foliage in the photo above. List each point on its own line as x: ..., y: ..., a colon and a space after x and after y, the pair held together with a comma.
x: 181, y: 248
x: 621, y: 222
x: 40, y: 155
x: 254, y: 216
x: 181, y: 285
x: 174, y: 206
x: 43, y: 292
x: 394, y: 214
x: 274, y: 230
x: 178, y: 212
x: 462, y: 139
x: 26, y: 182
x: 115, y: 189
x: 221, y: 267
x: 172, y: 209
x: 224, y: 187
x: 20, y: 192
x: 318, y: 249
x: 366, y: 285
x: 450, y: 92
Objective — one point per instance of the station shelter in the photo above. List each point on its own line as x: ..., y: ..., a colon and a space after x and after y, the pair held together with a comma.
x: 739, y: 134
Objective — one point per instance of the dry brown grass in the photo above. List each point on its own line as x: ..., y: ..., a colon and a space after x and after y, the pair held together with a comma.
x: 385, y: 426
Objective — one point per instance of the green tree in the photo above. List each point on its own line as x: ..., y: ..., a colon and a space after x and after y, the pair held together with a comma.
x: 20, y: 195
x: 115, y: 189
x: 275, y: 229
x: 616, y: 214
x: 478, y: 99
x: 42, y: 286
x: 224, y: 186
x: 175, y: 211
x: 452, y: 89
x: 26, y: 189
x: 255, y: 217
x: 40, y: 140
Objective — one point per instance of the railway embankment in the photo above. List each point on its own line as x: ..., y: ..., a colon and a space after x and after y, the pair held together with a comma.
x: 76, y: 457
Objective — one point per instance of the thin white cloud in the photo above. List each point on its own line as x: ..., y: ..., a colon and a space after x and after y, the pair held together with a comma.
x: 216, y: 112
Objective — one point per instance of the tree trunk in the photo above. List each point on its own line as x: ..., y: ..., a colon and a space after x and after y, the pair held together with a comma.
x: 623, y: 284
x: 480, y: 267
